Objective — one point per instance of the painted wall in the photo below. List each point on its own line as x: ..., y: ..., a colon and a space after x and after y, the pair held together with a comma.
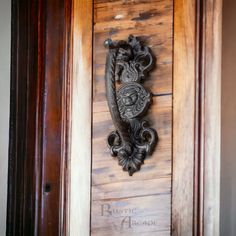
x: 228, y: 159
x: 5, y: 26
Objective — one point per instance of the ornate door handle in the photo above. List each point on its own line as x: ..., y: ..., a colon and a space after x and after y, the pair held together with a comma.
x: 128, y: 63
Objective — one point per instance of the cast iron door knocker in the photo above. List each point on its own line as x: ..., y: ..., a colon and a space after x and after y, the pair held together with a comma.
x: 127, y: 66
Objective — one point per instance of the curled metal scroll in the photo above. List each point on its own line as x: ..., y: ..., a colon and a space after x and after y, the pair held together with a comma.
x: 128, y: 64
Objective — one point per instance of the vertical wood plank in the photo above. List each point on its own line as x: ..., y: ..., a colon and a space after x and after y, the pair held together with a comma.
x: 39, y: 110
x: 52, y: 150
x: 212, y: 115
x: 196, y: 129
x: 81, y: 119
x: 141, y: 204
x: 18, y: 152
x: 183, y: 117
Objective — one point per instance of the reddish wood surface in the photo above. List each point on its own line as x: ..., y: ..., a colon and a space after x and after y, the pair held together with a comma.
x: 22, y: 133
x: 39, y: 106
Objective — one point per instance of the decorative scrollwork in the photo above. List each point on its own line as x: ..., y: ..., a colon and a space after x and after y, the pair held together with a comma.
x: 128, y: 64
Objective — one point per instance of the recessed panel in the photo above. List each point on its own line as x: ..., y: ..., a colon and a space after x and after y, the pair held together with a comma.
x: 138, y: 204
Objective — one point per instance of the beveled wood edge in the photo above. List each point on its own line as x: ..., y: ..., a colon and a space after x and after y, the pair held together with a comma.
x: 183, y: 117
x: 67, y: 105
x: 212, y: 11
x: 81, y: 116
x: 17, y: 166
x: 205, y: 146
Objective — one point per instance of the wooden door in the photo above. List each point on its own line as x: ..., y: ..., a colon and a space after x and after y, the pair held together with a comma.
x: 172, y: 191
x: 138, y: 204
x: 75, y: 187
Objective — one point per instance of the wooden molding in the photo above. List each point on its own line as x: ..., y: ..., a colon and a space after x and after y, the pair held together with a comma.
x: 196, y: 130
x: 81, y: 130
x: 211, y: 134
x: 183, y: 116
x: 40, y: 106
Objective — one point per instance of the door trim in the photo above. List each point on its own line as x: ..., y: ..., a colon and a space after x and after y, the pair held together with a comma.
x: 196, y: 128
x: 81, y: 128
x: 39, y: 118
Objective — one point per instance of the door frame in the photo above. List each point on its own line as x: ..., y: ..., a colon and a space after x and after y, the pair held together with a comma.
x: 197, y: 102
x: 39, y: 118
x: 51, y: 84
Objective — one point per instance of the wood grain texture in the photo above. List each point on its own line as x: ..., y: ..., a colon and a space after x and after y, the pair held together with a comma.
x: 138, y: 205
x: 132, y: 216
x: 152, y: 20
x: 197, y: 70
x: 19, y: 165
x: 54, y: 73
x: 184, y: 117
x: 212, y: 115
x: 37, y: 199
x: 40, y: 115
x: 110, y: 184
x: 80, y: 166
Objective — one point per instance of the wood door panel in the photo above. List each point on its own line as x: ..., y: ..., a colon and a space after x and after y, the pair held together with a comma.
x: 149, y: 190
x: 152, y: 20
x: 129, y: 217
x: 106, y: 168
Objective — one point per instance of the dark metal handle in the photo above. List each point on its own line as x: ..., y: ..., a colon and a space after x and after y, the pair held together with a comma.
x: 128, y: 63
